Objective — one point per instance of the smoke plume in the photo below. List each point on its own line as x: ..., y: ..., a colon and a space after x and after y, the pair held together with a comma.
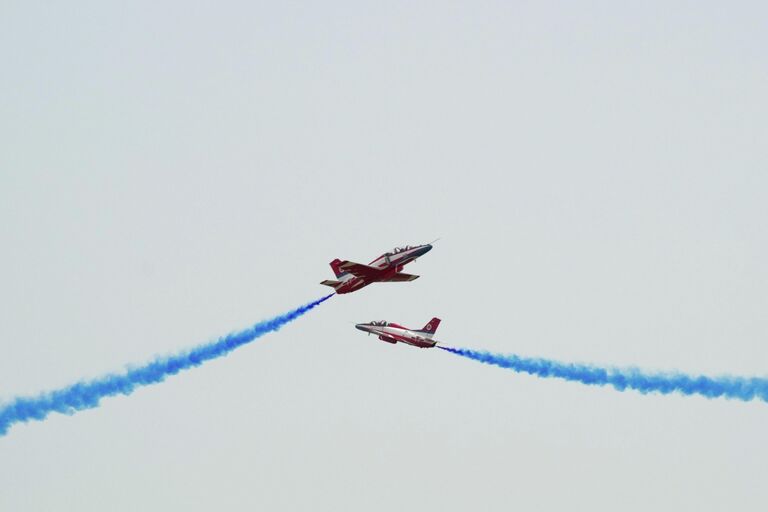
x: 741, y: 388
x: 88, y: 394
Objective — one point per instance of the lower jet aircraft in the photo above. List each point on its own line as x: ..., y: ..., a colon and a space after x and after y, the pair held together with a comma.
x: 392, y: 333
x: 351, y: 276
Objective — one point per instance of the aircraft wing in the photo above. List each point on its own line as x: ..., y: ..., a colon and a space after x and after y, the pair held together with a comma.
x: 360, y: 270
x: 402, y: 276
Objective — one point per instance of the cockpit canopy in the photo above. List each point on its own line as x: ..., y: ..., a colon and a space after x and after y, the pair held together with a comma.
x: 379, y: 322
x: 398, y: 250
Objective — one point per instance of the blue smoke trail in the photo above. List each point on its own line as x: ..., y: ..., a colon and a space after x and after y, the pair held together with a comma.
x: 742, y: 388
x: 86, y: 395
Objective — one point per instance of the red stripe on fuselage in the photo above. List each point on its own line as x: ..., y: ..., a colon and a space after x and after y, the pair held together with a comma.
x: 421, y: 343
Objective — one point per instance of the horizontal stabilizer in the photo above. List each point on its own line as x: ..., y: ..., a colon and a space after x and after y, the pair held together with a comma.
x: 402, y: 276
x: 332, y: 284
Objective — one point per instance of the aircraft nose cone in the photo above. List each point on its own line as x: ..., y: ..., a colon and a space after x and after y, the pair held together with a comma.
x: 360, y: 327
x: 425, y: 249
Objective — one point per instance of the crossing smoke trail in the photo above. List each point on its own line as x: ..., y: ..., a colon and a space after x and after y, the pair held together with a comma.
x: 741, y: 388
x: 86, y: 395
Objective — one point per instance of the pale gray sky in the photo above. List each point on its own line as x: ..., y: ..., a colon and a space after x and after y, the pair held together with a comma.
x: 173, y: 171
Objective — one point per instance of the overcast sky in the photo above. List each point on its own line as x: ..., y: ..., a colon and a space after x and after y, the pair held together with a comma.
x: 173, y: 171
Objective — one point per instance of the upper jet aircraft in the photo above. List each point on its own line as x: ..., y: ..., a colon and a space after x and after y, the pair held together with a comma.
x: 351, y: 276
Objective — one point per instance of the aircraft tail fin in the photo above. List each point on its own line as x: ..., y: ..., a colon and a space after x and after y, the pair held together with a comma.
x: 431, y: 327
x: 335, y: 264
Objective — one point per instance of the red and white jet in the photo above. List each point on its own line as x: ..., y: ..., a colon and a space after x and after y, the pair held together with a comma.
x: 392, y: 333
x: 351, y: 276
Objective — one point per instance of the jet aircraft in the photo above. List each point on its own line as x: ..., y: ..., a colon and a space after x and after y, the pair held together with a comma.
x: 351, y: 276
x: 392, y: 333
